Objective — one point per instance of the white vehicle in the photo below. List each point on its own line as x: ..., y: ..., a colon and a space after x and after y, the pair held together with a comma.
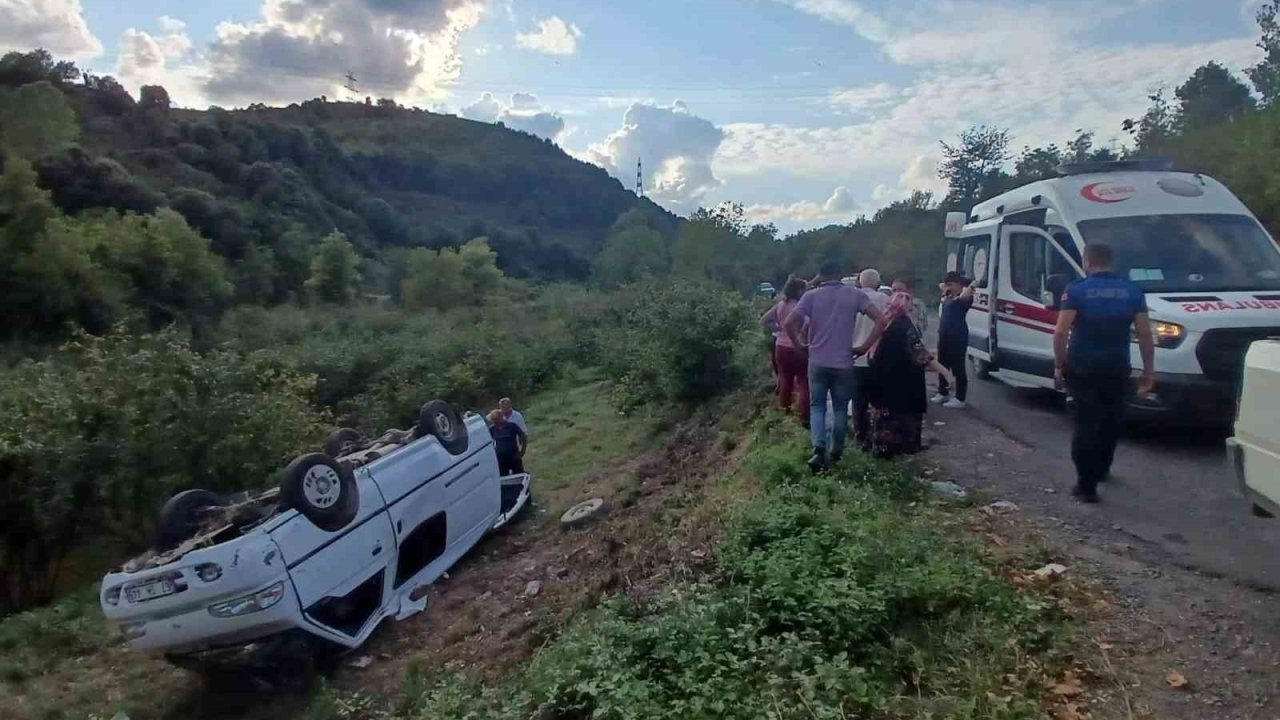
x: 353, y: 536
x: 1255, y: 449
x: 1210, y: 272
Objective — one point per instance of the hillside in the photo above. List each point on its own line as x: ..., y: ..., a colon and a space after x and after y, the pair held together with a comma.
x: 278, y: 179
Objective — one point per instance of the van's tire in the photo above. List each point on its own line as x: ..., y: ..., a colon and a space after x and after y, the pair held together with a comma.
x: 322, y: 489
x: 179, y: 519
x: 442, y: 420
x: 981, y: 368
x: 340, y: 440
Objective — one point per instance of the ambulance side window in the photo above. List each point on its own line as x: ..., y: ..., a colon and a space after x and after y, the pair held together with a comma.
x: 1028, y: 264
x: 974, y: 257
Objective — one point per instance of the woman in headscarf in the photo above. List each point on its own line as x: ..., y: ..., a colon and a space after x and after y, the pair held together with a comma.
x: 898, y: 397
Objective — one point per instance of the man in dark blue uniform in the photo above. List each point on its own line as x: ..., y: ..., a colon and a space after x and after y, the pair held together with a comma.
x: 1091, y: 351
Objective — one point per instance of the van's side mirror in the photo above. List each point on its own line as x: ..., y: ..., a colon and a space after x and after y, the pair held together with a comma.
x: 1056, y: 285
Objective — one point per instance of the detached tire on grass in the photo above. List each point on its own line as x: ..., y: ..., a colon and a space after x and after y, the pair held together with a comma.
x: 443, y: 420
x: 582, y: 513
x: 322, y: 489
x: 179, y: 519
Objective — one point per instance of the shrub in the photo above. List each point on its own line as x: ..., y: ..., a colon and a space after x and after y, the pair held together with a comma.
x: 664, y: 342
x: 96, y: 437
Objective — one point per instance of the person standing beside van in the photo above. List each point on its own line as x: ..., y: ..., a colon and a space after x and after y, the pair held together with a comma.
x: 509, y: 443
x: 830, y: 309
x: 868, y: 281
x: 791, y: 363
x: 1091, y: 357
x: 953, y: 339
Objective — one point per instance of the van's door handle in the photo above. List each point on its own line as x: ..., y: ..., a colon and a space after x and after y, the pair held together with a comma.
x: 377, y: 549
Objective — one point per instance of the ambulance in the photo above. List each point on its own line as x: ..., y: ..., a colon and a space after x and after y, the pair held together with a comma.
x: 1210, y: 272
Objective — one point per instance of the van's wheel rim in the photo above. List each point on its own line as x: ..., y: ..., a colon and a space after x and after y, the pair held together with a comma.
x: 444, y: 425
x: 321, y: 486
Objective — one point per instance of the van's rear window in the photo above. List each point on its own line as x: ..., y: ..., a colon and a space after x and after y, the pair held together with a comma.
x: 1189, y: 253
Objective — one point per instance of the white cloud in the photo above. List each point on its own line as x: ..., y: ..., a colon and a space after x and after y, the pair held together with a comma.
x: 845, y: 12
x: 864, y: 99
x: 1041, y: 99
x: 299, y: 49
x: 839, y: 208
x: 55, y: 25
x: 146, y: 59
x: 172, y: 25
x: 554, y: 37
x: 523, y: 112
x: 675, y: 146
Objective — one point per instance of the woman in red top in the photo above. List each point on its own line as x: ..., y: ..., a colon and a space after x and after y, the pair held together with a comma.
x: 792, y: 362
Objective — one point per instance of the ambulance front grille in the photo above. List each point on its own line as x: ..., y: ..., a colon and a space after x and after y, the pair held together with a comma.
x: 1221, y: 352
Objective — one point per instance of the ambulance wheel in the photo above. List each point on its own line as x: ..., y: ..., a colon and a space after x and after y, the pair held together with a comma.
x: 442, y: 420
x: 322, y: 489
x: 981, y: 368
x: 342, y: 441
x: 180, y: 517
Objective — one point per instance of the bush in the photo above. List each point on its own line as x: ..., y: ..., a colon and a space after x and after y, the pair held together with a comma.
x: 96, y: 437
x: 664, y: 342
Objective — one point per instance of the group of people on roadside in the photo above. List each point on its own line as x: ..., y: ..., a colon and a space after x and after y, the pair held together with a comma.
x: 864, y: 351
x: 510, y: 435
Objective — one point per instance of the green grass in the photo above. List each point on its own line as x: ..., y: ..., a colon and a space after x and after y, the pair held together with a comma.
x: 38, y: 641
x: 849, y: 595
x: 574, y: 430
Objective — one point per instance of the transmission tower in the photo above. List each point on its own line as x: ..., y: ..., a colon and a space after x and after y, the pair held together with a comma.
x: 639, y: 179
x: 350, y: 85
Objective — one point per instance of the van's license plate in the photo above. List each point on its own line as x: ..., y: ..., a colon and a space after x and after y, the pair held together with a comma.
x: 150, y: 590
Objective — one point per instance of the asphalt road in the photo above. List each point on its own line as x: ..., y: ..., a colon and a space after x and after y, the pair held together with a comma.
x: 1172, y: 490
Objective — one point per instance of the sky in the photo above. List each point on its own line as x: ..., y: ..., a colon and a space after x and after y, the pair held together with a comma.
x: 808, y: 112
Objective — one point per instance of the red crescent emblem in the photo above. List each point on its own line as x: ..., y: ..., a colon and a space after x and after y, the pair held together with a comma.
x: 1105, y: 192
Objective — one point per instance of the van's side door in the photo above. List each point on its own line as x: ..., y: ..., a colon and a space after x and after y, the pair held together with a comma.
x: 1036, y: 270
x: 974, y: 260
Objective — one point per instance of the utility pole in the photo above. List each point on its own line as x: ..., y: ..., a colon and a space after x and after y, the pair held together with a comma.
x: 350, y: 85
x: 639, y: 179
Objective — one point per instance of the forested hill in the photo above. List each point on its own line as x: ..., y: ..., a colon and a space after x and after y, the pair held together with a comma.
x: 279, y: 179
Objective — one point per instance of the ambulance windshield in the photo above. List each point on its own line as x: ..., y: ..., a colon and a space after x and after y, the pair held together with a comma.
x: 1189, y: 253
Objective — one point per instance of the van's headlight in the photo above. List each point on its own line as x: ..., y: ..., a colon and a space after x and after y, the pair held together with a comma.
x: 1167, y: 335
x: 256, y: 602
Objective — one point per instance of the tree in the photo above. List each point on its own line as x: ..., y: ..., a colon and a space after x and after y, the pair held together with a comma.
x: 433, y: 279
x: 154, y: 96
x: 17, y: 69
x: 80, y: 182
x: 630, y: 254
x: 1265, y: 76
x: 974, y: 167
x: 35, y: 120
x: 1210, y: 96
x: 479, y: 268
x: 1153, y: 131
x: 335, y: 274
x: 1037, y: 164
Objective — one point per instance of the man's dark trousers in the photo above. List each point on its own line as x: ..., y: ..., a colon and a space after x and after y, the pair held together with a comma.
x: 1099, y: 414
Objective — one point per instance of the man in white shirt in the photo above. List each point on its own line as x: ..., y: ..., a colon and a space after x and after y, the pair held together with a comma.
x: 869, y: 282
x: 513, y: 415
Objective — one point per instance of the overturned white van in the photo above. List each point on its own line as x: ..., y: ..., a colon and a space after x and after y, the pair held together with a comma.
x: 1210, y: 271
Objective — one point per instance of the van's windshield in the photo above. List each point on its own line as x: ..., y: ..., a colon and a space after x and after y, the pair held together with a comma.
x: 1189, y: 253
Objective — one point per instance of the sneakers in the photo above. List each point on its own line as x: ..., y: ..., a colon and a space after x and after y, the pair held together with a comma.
x: 818, y: 462
x: 953, y: 403
x: 938, y: 399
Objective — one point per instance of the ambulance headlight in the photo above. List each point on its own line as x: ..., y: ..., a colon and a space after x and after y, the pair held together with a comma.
x: 1167, y: 335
